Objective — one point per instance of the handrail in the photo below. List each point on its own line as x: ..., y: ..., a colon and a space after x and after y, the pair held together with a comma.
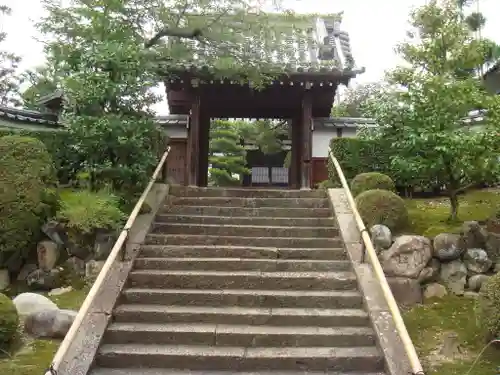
x: 409, y: 348
x: 115, y: 251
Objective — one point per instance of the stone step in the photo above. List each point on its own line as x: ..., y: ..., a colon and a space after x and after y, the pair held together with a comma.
x: 146, y: 371
x: 202, y: 251
x: 246, y: 212
x: 242, y: 280
x: 256, y: 221
x: 201, y: 239
x: 186, y: 191
x: 240, y: 358
x: 238, y: 335
x: 241, y: 315
x: 239, y: 264
x: 345, y: 299
x: 243, y: 230
x: 251, y: 202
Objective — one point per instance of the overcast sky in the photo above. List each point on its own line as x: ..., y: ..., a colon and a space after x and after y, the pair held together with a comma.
x: 375, y: 27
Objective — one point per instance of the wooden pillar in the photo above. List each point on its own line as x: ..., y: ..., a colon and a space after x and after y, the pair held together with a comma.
x: 306, y: 140
x: 203, y: 149
x: 296, y: 150
x: 193, y: 142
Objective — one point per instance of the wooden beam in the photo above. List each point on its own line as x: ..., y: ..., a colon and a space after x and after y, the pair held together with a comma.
x: 294, y: 173
x: 203, y: 148
x: 306, y: 140
x: 193, y: 142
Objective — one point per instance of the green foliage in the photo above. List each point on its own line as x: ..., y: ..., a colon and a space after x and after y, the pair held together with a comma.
x: 382, y: 207
x: 327, y: 184
x: 369, y: 181
x: 489, y: 307
x: 358, y: 155
x: 9, y: 63
x: 27, y: 194
x: 85, y: 211
x: 424, y: 123
x: 356, y: 100
x: 227, y: 155
x: 9, y: 321
x: 67, y: 162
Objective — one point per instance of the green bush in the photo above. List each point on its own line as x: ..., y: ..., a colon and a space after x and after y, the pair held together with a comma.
x: 328, y: 184
x: 59, y: 144
x: 382, y: 207
x: 9, y: 321
x: 83, y: 212
x: 369, y: 181
x: 28, y: 195
x: 489, y: 307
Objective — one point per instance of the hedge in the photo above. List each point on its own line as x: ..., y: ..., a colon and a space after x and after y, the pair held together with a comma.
x: 58, y: 144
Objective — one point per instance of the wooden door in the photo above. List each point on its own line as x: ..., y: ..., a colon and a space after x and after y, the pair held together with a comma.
x: 176, y: 161
x: 319, y: 170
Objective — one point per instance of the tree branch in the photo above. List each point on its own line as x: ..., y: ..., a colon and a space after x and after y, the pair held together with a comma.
x: 180, y: 33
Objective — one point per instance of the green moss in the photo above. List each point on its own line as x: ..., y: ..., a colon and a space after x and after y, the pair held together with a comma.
x: 35, y: 356
x: 429, y: 217
x: 428, y: 323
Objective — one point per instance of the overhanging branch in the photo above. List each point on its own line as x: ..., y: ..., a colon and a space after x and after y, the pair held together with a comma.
x: 180, y: 33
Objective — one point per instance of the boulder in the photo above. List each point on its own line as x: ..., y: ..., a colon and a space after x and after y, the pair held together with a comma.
x: 28, y: 303
x: 476, y: 281
x: 493, y: 247
x: 434, y: 290
x: 49, y: 323
x: 60, y: 291
x: 430, y: 272
x: 446, y: 247
x: 454, y: 276
x: 381, y: 236
x: 104, y: 242
x: 4, y: 279
x: 25, y: 271
x: 477, y: 261
x: 406, y: 291
x: 43, y: 280
x: 407, y: 256
x: 48, y: 255
x: 473, y: 236
x: 75, y: 266
x: 92, y: 268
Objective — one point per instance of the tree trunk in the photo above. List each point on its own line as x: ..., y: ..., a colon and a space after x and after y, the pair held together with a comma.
x: 454, y: 206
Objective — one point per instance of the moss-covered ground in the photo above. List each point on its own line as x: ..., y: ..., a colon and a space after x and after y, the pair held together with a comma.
x: 35, y: 356
x: 429, y: 323
x: 429, y: 217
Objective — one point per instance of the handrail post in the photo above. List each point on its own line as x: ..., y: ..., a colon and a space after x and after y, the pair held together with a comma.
x: 380, y: 275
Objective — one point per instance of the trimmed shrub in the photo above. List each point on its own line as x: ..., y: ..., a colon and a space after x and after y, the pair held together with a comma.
x: 9, y: 321
x: 58, y: 143
x: 489, y: 307
x: 371, y: 180
x: 28, y: 195
x: 328, y: 184
x: 382, y: 207
x: 84, y: 212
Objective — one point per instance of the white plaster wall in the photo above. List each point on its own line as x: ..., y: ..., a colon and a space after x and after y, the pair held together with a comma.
x: 176, y: 132
x: 321, y: 140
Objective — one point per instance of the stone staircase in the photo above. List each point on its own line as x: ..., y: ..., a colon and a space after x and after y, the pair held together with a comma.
x: 233, y: 281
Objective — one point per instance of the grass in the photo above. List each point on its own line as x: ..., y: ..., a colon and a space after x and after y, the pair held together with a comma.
x: 429, y: 217
x: 429, y: 323
x: 36, y: 355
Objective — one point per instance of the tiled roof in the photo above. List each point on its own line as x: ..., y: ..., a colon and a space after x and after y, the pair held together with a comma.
x: 313, y: 44
x: 344, y: 122
x: 16, y: 115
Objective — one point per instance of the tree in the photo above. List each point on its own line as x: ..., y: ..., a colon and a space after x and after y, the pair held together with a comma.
x: 227, y: 155
x: 425, y: 120
x: 9, y: 62
x: 356, y: 100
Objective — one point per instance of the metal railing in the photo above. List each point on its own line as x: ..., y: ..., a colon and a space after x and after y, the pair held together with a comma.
x: 111, y: 259
x: 409, y: 348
